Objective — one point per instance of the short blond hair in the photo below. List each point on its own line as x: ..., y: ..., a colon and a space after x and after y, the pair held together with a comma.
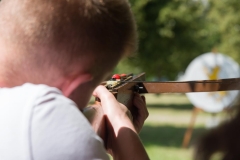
x: 68, y: 30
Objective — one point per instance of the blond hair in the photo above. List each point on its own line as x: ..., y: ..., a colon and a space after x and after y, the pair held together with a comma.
x: 65, y: 32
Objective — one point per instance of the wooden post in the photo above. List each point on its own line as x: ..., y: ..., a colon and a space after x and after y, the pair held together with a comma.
x: 188, y: 133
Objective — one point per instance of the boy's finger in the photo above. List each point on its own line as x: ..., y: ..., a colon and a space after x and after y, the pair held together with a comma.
x: 102, y: 93
x: 144, y: 99
x: 141, y: 105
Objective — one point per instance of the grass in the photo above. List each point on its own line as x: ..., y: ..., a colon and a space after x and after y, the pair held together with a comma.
x: 164, y: 130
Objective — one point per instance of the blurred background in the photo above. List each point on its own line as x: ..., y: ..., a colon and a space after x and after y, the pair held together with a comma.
x: 171, y: 34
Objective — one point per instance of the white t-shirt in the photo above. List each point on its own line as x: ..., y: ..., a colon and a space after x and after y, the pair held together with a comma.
x: 38, y: 123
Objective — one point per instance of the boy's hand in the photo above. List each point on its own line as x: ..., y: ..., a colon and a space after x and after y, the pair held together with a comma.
x: 122, y: 132
x: 118, y: 114
x: 142, y: 113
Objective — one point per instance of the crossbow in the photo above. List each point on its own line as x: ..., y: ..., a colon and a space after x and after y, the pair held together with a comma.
x: 124, y: 85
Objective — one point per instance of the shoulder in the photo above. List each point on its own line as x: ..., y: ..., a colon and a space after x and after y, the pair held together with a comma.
x: 39, y: 97
x: 28, y: 92
x: 48, y: 124
x: 60, y: 131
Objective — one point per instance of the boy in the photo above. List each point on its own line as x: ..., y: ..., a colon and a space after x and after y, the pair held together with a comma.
x: 54, y: 53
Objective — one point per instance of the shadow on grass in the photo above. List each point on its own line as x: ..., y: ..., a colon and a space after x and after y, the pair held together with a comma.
x: 167, y: 136
x: 171, y: 106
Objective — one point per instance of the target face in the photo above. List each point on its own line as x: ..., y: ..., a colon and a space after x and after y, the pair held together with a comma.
x: 212, y: 66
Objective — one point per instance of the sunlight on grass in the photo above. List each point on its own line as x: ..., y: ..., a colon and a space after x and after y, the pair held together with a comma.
x: 168, y: 153
x: 167, y: 99
x: 163, y: 132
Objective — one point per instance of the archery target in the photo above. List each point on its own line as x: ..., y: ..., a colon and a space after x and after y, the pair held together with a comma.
x: 211, y: 66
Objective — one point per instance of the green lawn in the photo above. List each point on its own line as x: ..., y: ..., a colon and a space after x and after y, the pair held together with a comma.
x: 164, y: 129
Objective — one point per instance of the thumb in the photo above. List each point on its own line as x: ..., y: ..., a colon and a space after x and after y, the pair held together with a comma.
x: 100, y: 91
x: 103, y: 94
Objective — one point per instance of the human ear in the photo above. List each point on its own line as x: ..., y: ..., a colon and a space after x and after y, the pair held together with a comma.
x: 71, y: 84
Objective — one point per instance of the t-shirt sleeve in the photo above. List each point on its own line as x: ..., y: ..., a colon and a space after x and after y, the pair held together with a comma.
x: 59, y: 131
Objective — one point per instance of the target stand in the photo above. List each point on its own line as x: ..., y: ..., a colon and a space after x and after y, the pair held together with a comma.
x: 210, y: 66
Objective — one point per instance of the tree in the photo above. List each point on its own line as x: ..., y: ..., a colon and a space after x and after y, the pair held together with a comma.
x: 223, y: 17
x: 171, y: 34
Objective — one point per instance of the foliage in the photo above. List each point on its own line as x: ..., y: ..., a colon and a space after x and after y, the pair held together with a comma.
x: 223, y: 17
x: 171, y: 34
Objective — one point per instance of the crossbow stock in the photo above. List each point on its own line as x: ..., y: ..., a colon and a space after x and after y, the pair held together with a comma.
x: 124, y: 86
